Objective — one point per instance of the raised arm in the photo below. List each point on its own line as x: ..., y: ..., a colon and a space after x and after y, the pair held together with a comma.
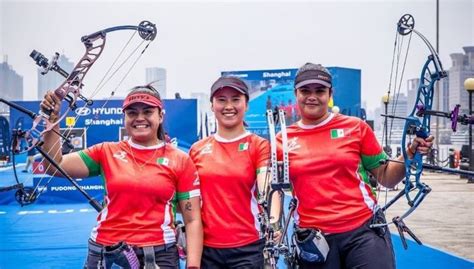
x: 72, y: 162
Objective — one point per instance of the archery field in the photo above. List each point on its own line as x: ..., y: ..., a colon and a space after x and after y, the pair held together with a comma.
x: 55, y: 235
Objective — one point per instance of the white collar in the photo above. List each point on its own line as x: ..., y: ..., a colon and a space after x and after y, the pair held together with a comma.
x: 137, y: 146
x: 324, y: 122
x: 224, y: 140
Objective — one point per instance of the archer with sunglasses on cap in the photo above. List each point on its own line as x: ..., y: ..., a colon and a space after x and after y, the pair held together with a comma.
x: 232, y: 167
x: 145, y: 180
x: 330, y: 156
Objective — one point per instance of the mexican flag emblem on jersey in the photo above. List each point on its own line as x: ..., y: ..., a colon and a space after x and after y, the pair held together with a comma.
x: 243, y: 146
x: 337, y: 133
x: 163, y: 161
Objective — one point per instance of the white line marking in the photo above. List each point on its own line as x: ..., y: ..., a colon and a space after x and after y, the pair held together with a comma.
x: 54, y: 211
x: 30, y: 212
x: 85, y: 210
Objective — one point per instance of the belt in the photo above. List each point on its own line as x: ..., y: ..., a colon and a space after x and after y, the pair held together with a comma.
x: 98, y: 248
x: 140, y: 250
x: 148, y: 253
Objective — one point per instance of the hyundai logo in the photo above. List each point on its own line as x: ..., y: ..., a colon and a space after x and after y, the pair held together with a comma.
x: 83, y: 111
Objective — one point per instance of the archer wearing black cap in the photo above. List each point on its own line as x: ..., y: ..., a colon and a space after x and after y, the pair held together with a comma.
x: 230, y: 82
x: 330, y: 158
x: 232, y: 165
x: 313, y: 78
x: 313, y: 74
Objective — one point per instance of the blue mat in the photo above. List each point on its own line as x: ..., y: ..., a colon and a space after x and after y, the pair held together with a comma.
x: 45, y: 236
x: 55, y: 236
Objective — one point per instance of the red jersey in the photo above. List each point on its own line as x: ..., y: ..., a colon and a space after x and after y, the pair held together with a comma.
x: 228, y: 171
x: 328, y: 170
x: 142, y: 186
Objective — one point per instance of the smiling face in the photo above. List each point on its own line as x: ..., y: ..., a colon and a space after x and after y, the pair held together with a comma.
x: 313, y: 101
x: 142, y: 122
x: 229, y: 106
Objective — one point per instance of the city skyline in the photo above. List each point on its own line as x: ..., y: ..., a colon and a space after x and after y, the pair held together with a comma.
x: 157, y: 76
x: 198, y: 40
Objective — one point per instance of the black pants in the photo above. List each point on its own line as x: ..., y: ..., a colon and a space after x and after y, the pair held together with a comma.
x: 165, y: 257
x: 363, y: 247
x: 248, y: 257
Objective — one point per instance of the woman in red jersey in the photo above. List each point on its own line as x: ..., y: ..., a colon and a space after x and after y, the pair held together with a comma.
x: 330, y: 157
x: 232, y: 166
x: 145, y: 179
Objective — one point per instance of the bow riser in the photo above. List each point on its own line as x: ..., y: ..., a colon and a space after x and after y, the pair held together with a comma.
x: 430, y: 74
x: 70, y: 90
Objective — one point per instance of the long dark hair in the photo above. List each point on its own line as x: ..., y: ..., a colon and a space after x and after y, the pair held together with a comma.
x: 148, y: 89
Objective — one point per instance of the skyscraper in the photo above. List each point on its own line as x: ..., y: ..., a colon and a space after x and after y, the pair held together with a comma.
x: 412, y: 90
x: 397, y: 106
x: 462, y: 68
x: 53, y: 80
x: 204, y: 103
x: 11, y: 85
x: 204, y: 113
x: 444, y: 101
x: 157, y: 75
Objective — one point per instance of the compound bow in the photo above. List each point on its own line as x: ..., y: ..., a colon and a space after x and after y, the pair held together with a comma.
x: 418, y: 123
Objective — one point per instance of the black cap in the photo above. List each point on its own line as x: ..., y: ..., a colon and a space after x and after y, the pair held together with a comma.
x: 231, y: 82
x: 313, y: 74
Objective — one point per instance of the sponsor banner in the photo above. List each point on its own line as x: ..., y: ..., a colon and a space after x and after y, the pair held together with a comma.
x: 263, y: 74
x: 60, y: 190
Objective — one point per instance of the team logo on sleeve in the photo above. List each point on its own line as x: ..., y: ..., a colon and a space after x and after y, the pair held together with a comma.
x: 243, y: 146
x: 121, y: 155
x: 206, y: 149
x: 163, y: 161
x: 337, y: 133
